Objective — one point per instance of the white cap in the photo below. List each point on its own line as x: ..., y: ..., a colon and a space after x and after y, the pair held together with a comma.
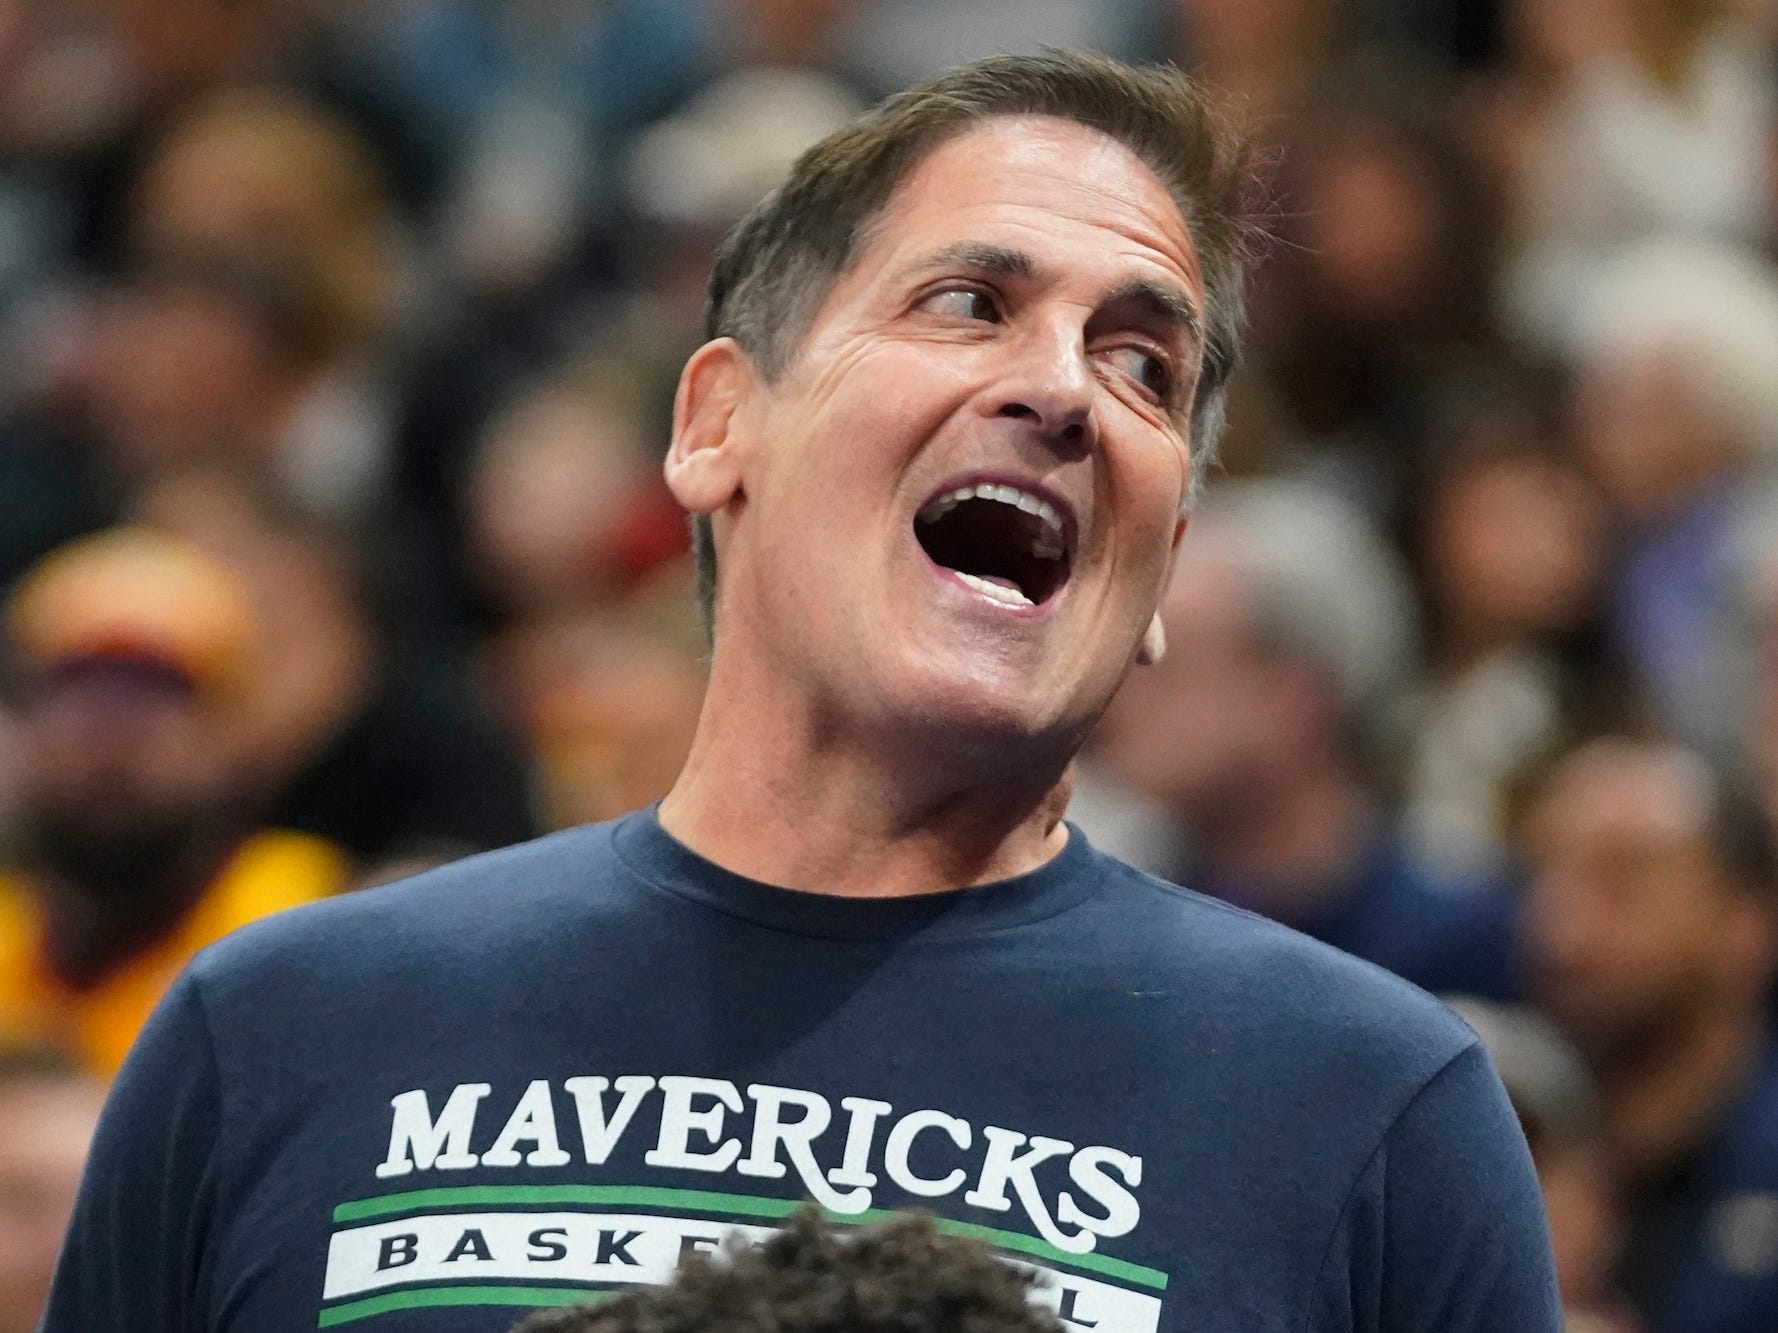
x: 1712, y: 307
x: 1326, y: 578
x: 737, y: 140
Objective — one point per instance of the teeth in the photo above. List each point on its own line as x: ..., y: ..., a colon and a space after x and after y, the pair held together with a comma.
x: 1009, y: 596
x: 1047, y: 546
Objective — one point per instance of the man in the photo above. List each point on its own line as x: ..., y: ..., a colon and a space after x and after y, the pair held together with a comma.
x: 1649, y: 926
x: 943, y: 440
x: 1291, y: 632
x: 139, y: 845
x: 902, y: 1275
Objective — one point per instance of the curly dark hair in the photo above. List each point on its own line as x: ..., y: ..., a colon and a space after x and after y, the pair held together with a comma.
x: 899, y: 1276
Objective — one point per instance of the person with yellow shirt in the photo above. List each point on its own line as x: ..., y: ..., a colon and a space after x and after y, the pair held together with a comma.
x: 138, y: 842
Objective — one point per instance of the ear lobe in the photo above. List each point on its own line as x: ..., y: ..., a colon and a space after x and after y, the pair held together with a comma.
x: 703, y: 464
x: 1154, y: 642
x: 1154, y: 639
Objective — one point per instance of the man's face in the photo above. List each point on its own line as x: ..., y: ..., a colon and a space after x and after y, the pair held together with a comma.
x: 121, y: 770
x: 108, y: 748
x: 1628, y: 919
x: 1022, y: 317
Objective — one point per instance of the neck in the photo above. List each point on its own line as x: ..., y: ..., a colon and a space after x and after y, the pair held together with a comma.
x: 790, y: 802
x: 1662, y: 1104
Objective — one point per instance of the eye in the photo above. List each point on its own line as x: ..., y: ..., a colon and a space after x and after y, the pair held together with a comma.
x: 1146, y: 368
x: 969, y: 303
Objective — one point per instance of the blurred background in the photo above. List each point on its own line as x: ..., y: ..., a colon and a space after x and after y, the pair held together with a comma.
x: 337, y: 347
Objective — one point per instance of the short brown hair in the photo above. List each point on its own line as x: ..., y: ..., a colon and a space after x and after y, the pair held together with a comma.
x: 900, y: 1276
x: 778, y: 264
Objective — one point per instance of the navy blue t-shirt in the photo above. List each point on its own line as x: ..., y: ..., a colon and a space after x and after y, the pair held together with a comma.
x: 554, y: 1069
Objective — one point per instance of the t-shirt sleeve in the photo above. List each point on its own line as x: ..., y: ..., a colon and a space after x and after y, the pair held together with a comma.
x: 1444, y: 1230
x: 131, y: 1259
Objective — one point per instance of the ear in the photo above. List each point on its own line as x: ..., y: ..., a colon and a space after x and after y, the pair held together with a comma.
x: 1154, y: 643
x: 1154, y: 639
x: 703, y: 464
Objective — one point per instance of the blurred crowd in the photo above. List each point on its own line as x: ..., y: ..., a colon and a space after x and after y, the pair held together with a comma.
x: 337, y: 350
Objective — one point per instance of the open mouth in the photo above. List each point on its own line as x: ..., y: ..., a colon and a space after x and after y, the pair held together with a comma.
x: 1006, y: 543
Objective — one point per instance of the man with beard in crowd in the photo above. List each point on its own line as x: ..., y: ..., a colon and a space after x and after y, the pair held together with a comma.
x: 139, y: 845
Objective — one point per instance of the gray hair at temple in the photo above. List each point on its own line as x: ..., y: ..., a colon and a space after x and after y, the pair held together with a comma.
x: 778, y: 265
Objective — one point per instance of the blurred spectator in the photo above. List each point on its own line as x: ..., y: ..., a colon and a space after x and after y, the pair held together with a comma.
x: 1759, y: 756
x: 701, y: 170
x: 177, y: 48
x: 49, y: 1107
x: 567, y: 508
x: 1459, y: 38
x: 1629, y: 119
x: 1268, y: 52
x: 1678, y: 418
x: 353, y: 736
x: 596, y: 659
x: 59, y: 91
x: 688, y: 180
x: 784, y: 34
x: 1288, y: 641
x: 894, y: 43
x: 1556, y: 1104
x: 519, y: 110
x: 1650, y: 936
x: 1510, y: 538
x: 115, y: 73
x: 280, y: 211
x: 609, y: 707
x: 1376, y: 305
x: 139, y: 842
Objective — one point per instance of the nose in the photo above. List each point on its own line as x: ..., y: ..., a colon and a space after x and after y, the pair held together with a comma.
x: 1049, y: 383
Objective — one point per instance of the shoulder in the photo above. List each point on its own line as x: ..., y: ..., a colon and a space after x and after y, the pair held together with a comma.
x: 460, y: 909
x: 1275, y: 988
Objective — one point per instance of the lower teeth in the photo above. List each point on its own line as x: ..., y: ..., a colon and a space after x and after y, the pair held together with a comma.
x: 1000, y: 593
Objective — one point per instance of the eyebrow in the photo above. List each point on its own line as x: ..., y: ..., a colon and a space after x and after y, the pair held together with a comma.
x: 1162, y: 302
x: 1157, y: 300
x: 995, y: 259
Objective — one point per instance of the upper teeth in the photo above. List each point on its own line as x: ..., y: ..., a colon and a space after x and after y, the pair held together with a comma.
x: 1047, y: 544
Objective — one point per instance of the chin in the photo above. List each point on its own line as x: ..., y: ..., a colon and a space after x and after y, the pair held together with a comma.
x: 993, y: 713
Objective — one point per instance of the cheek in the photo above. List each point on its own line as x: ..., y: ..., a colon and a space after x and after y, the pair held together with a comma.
x: 1149, y: 540
x: 865, y: 417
